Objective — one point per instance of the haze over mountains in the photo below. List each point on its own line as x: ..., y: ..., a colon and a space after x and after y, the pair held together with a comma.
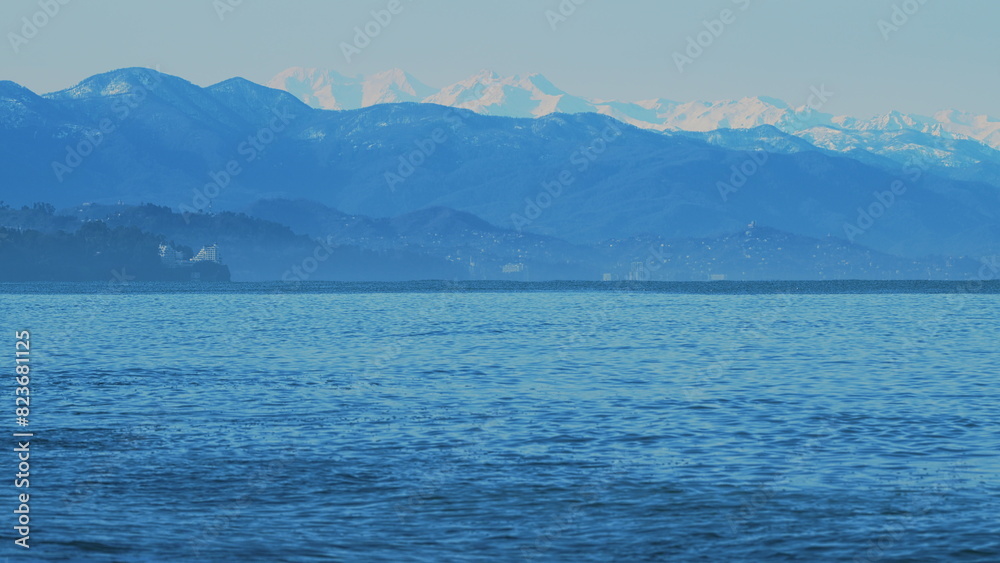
x: 951, y: 140
x: 533, y: 95
x: 530, y: 161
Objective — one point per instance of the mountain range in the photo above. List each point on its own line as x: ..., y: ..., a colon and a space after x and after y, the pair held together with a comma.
x: 534, y: 95
x: 531, y: 161
x: 300, y: 241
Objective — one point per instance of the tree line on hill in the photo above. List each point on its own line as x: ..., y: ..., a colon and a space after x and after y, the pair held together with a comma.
x: 92, y: 252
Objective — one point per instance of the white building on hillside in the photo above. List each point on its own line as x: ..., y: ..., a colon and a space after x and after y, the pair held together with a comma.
x: 208, y: 254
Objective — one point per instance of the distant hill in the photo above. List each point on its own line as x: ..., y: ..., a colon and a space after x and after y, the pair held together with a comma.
x: 753, y: 253
x: 962, y: 145
x: 417, y: 190
x: 93, y: 252
x: 226, y: 146
x: 253, y: 249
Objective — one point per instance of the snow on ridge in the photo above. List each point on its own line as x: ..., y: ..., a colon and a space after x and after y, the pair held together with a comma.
x: 533, y: 95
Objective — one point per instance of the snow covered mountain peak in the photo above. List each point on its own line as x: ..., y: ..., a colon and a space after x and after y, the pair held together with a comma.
x: 534, y: 95
x: 484, y: 75
x: 320, y: 88
x: 117, y: 82
x: 393, y: 86
x: 489, y: 93
x: 981, y: 127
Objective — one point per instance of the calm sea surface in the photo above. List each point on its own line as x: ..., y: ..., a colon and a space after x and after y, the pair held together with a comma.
x: 442, y: 422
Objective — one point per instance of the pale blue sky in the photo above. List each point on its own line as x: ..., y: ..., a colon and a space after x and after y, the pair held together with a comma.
x: 946, y: 55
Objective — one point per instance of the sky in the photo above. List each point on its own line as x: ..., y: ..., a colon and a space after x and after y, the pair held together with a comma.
x: 939, y: 55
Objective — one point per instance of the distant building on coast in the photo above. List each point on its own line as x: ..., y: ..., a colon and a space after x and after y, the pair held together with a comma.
x: 638, y: 272
x: 205, y: 266
x: 173, y: 258
x: 208, y: 254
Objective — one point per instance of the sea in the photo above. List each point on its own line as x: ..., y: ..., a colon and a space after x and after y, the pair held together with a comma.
x: 481, y: 421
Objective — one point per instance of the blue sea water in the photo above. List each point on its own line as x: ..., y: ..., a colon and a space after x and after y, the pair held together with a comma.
x: 489, y: 422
